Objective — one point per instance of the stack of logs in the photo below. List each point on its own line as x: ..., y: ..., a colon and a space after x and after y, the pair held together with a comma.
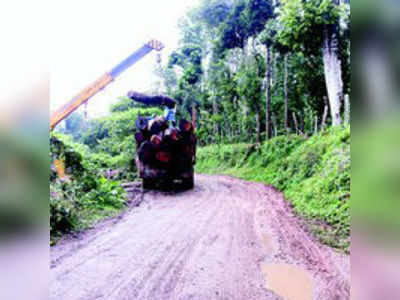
x: 160, y: 146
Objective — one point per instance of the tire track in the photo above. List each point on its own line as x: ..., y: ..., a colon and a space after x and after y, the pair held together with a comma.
x: 208, y: 243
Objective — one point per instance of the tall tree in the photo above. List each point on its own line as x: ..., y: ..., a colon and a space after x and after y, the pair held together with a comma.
x: 308, y: 25
x: 284, y: 52
x: 259, y: 12
x: 267, y: 38
x: 250, y: 79
x: 268, y: 94
x: 332, y: 67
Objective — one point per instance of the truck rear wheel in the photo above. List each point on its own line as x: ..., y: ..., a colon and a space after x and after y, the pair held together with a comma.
x: 188, y: 183
x: 148, y: 184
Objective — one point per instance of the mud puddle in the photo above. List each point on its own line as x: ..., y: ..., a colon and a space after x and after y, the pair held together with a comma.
x: 288, y: 281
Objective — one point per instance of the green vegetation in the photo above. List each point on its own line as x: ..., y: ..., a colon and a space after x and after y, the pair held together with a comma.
x: 313, y: 173
x: 255, y: 69
x: 95, y: 161
x: 82, y: 196
x: 110, y: 141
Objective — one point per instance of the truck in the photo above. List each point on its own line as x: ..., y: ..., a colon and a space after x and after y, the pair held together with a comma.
x: 165, y: 149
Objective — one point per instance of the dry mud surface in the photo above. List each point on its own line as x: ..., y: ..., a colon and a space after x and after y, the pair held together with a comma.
x: 226, y: 239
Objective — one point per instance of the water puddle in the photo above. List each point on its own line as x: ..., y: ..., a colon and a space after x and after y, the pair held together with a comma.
x: 288, y: 281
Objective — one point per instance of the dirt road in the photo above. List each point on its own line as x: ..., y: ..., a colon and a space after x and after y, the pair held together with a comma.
x: 226, y: 239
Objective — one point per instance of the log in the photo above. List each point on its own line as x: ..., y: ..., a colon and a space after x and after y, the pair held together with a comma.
x: 185, y: 126
x: 152, y: 100
x: 141, y: 123
x: 146, y: 153
x: 156, y: 140
x: 163, y: 156
x: 140, y: 138
x: 157, y: 125
x: 171, y: 135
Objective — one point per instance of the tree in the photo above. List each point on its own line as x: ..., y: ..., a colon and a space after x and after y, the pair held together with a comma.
x: 250, y: 79
x: 234, y: 30
x: 284, y: 52
x: 333, y: 69
x: 314, y: 24
x: 73, y: 124
x: 267, y: 38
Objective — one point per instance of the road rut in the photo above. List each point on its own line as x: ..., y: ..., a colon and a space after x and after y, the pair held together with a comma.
x: 226, y: 239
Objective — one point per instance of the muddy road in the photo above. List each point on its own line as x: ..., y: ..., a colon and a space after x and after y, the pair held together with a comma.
x: 226, y: 239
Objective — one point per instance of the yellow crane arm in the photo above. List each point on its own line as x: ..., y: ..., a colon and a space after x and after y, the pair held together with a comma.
x: 65, y: 110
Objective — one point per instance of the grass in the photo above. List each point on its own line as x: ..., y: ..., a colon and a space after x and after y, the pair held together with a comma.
x: 85, y: 218
x: 313, y: 173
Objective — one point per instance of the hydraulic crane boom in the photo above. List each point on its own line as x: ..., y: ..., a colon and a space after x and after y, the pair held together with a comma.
x: 65, y: 110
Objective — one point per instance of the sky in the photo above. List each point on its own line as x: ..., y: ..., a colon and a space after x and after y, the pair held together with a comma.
x: 90, y: 37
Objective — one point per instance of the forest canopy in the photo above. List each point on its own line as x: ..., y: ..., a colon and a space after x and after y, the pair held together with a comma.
x: 254, y: 69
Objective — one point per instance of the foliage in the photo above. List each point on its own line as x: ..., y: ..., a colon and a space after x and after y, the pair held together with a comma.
x: 314, y: 174
x: 123, y: 104
x: 212, y: 12
x: 116, y: 126
x: 259, y: 12
x: 234, y: 30
x: 303, y: 23
x: 215, y: 60
x: 82, y: 196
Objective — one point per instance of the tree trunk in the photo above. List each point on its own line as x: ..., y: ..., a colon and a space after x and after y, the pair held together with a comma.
x: 333, y: 72
x: 275, y: 75
x: 244, y: 115
x: 258, y: 125
x: 302, y: 125
x: 296, y: 126
x: 285, y: 88
x: 325, y: 115
x: 268, y: 95
x: 215, y: 112
x: 316, y: 125
x: 275, y: 126
x: 346, y: 109
x: 236, y: 120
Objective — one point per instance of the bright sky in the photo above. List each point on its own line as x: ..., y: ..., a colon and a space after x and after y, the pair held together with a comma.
x: 91, y: 37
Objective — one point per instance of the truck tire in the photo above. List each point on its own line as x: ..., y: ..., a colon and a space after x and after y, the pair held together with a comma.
x: 188, y: 183
x: 148, y: 184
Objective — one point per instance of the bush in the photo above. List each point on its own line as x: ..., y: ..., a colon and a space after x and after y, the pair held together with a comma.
x: 83, y: 196
x: 108, y: 193
x: 63, y: 213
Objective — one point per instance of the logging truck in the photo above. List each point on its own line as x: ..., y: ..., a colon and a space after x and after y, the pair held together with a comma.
x: 166, y: 151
